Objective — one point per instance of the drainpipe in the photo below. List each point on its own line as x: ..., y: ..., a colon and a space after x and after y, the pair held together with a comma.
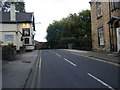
x: 0, y: 6
x: 109, y: 28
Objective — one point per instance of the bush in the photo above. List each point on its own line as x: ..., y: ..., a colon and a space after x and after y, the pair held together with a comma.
x: 8, y: 53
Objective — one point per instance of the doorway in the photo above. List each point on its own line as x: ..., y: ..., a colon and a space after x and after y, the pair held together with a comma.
x: 118, y: 39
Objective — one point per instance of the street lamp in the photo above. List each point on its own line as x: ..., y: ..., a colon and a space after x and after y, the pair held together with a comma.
x: 38, y: 23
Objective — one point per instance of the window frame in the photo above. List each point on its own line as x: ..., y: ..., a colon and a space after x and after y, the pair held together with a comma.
x: 27, y: 40
x: 101, y: 37
x: 115, y: 5
x: 9, y: 37
x: 99, y: 9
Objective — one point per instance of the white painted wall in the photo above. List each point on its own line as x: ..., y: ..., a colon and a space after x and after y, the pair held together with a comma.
x: 20, y: 43
x: 6, y: 30
x: 16, y: 31
x: 0, y: 34
x: 11, y: 29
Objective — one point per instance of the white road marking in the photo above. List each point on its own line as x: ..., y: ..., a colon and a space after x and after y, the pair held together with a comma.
x: 70, y: 62
x: 58, y: 55
x: 101, y: 81
x: 40, y: 60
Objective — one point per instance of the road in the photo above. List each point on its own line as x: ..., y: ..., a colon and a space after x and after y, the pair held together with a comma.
x: 61, y: 69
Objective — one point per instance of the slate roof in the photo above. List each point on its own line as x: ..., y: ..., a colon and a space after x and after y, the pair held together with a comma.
x: 20, y: 17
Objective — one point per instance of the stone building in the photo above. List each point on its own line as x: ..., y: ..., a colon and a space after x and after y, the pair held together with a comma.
x: 105, y: 19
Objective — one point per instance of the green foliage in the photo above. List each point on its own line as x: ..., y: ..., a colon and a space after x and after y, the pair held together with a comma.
x: 74, y: 29
x: 19, y: 6
x: 67, y: 40
x: 10, y: 44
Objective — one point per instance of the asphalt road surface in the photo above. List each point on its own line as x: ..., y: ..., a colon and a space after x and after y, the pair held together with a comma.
x: 61, y: 69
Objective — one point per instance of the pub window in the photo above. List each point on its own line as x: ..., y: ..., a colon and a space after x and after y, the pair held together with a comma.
x: 21, y: 39
x: 26, y: 40
x: 101, y: 36
x: 9, y: 37
x: 99, y: 9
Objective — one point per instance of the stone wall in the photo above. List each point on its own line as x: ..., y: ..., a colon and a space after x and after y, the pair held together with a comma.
x: 107, y: 29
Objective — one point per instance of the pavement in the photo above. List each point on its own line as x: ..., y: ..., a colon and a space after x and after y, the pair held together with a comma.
x: 112, y: 58
x: 16, y: 72
x: 0, y: 73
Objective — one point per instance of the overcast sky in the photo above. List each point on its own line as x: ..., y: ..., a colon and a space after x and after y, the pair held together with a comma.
x: 45, y: 11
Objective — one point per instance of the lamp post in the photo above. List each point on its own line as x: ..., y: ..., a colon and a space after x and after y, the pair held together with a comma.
x: 38, y: 23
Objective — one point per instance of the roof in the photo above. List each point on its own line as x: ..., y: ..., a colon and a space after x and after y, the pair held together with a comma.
x: 113, y: 18
x: 116, y: 17
x: 20, y: 17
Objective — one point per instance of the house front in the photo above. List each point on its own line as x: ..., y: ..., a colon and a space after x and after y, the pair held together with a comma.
x: 17, y: 28
x: 105, y: 19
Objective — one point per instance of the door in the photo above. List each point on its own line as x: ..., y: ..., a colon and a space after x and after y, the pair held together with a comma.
x: 118, y: 39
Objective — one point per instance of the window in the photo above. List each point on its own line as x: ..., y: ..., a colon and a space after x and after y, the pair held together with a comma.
x: 115, y: 5
x: 99, y: 9
x: 101, y: 36
x: 9, y: 37
x: 26, y: 31
x: 26, y: 40
x: 33, y: 42
x: 21, y: 38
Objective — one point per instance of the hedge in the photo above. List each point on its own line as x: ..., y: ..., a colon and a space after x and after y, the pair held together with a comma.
x: 8, y: 53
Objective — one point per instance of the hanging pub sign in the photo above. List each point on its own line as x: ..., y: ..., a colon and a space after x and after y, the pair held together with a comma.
x: 26, y: 29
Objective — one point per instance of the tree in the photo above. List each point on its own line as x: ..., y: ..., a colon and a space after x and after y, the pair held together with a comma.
x: 85, y: 22
x: 75, y: 29
x: 54, y: 32
x: 19, y: 6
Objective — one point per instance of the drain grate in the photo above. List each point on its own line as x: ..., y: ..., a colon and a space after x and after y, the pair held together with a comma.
x: 26, y: 61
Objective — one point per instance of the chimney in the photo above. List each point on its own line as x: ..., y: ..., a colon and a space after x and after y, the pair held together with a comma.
x: 12, y: 12
x: 0, y: 5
